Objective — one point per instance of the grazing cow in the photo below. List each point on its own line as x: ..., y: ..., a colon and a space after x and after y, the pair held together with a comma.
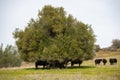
x: 76, y: 62
x: 41, y: 63
x: 97, y: 61
x: 113, y: 61
x: 104, y: 61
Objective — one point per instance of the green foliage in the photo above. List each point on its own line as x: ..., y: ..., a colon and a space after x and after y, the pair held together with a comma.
x: 97, y: 48
x: 115, y: 44
x: 9, y: 57
x: 55, y: 36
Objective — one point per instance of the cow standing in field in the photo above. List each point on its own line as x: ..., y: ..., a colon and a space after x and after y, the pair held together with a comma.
x: 41, y: 63
x: 97, y: 61
x: 76, y: 62
x: 104, y: 61
x: 113, y: 61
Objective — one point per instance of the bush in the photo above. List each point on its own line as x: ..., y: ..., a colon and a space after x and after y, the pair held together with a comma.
x: 9, y: 57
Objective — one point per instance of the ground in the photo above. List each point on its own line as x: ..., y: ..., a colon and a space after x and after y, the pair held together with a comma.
x: 87, y: 71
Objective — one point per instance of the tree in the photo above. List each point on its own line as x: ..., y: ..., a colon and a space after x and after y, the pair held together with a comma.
x: 9, y: 57
x: 55, y: 36
x: 97, y: 47
x: 1, y: 50
x: 115, y: 44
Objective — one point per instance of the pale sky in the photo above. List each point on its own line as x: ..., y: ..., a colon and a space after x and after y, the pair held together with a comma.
x: 103, y: 15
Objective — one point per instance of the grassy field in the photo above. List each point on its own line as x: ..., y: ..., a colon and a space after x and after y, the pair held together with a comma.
x: 87, y: 71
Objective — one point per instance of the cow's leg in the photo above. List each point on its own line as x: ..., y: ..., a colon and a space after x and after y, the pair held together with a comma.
x: 72, y: 64
x: 36, y: 66
x: 79, y: 64
x: 43, y: 66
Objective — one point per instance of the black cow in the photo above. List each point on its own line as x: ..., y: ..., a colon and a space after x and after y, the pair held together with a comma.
x: 77, y: 61
x: 104, y: 61
x: 113, y: 61
x: 57, y: 64
x: 97, y: 61
x: 53, y: 63
x: 41, y: 63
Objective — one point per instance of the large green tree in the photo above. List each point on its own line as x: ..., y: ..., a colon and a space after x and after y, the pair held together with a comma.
x: 55, y: 36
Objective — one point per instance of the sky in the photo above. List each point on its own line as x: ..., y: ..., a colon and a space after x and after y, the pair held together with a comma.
x: 103, y: 15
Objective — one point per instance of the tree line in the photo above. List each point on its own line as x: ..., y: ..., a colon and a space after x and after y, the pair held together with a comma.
x: 115, y: 46
x: 9, y: 56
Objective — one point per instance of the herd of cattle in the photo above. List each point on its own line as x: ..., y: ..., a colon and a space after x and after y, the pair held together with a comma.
x: 56, y: 63
x: 111, y: 61
x: 63, y: 64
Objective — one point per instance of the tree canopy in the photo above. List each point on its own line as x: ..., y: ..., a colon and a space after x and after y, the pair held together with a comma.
x: 54, y: 35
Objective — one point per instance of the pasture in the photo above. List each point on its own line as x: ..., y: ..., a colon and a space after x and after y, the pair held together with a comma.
x: 87, y: 71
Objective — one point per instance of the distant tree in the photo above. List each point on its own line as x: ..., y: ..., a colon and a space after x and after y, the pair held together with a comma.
x: 1, y: 50
x: 97, y: 48
x: 9, y: 57
x: 55, y: 36
x: 115, y: 44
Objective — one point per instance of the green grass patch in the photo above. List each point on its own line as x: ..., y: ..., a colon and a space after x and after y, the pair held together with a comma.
x: 77, y: 73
